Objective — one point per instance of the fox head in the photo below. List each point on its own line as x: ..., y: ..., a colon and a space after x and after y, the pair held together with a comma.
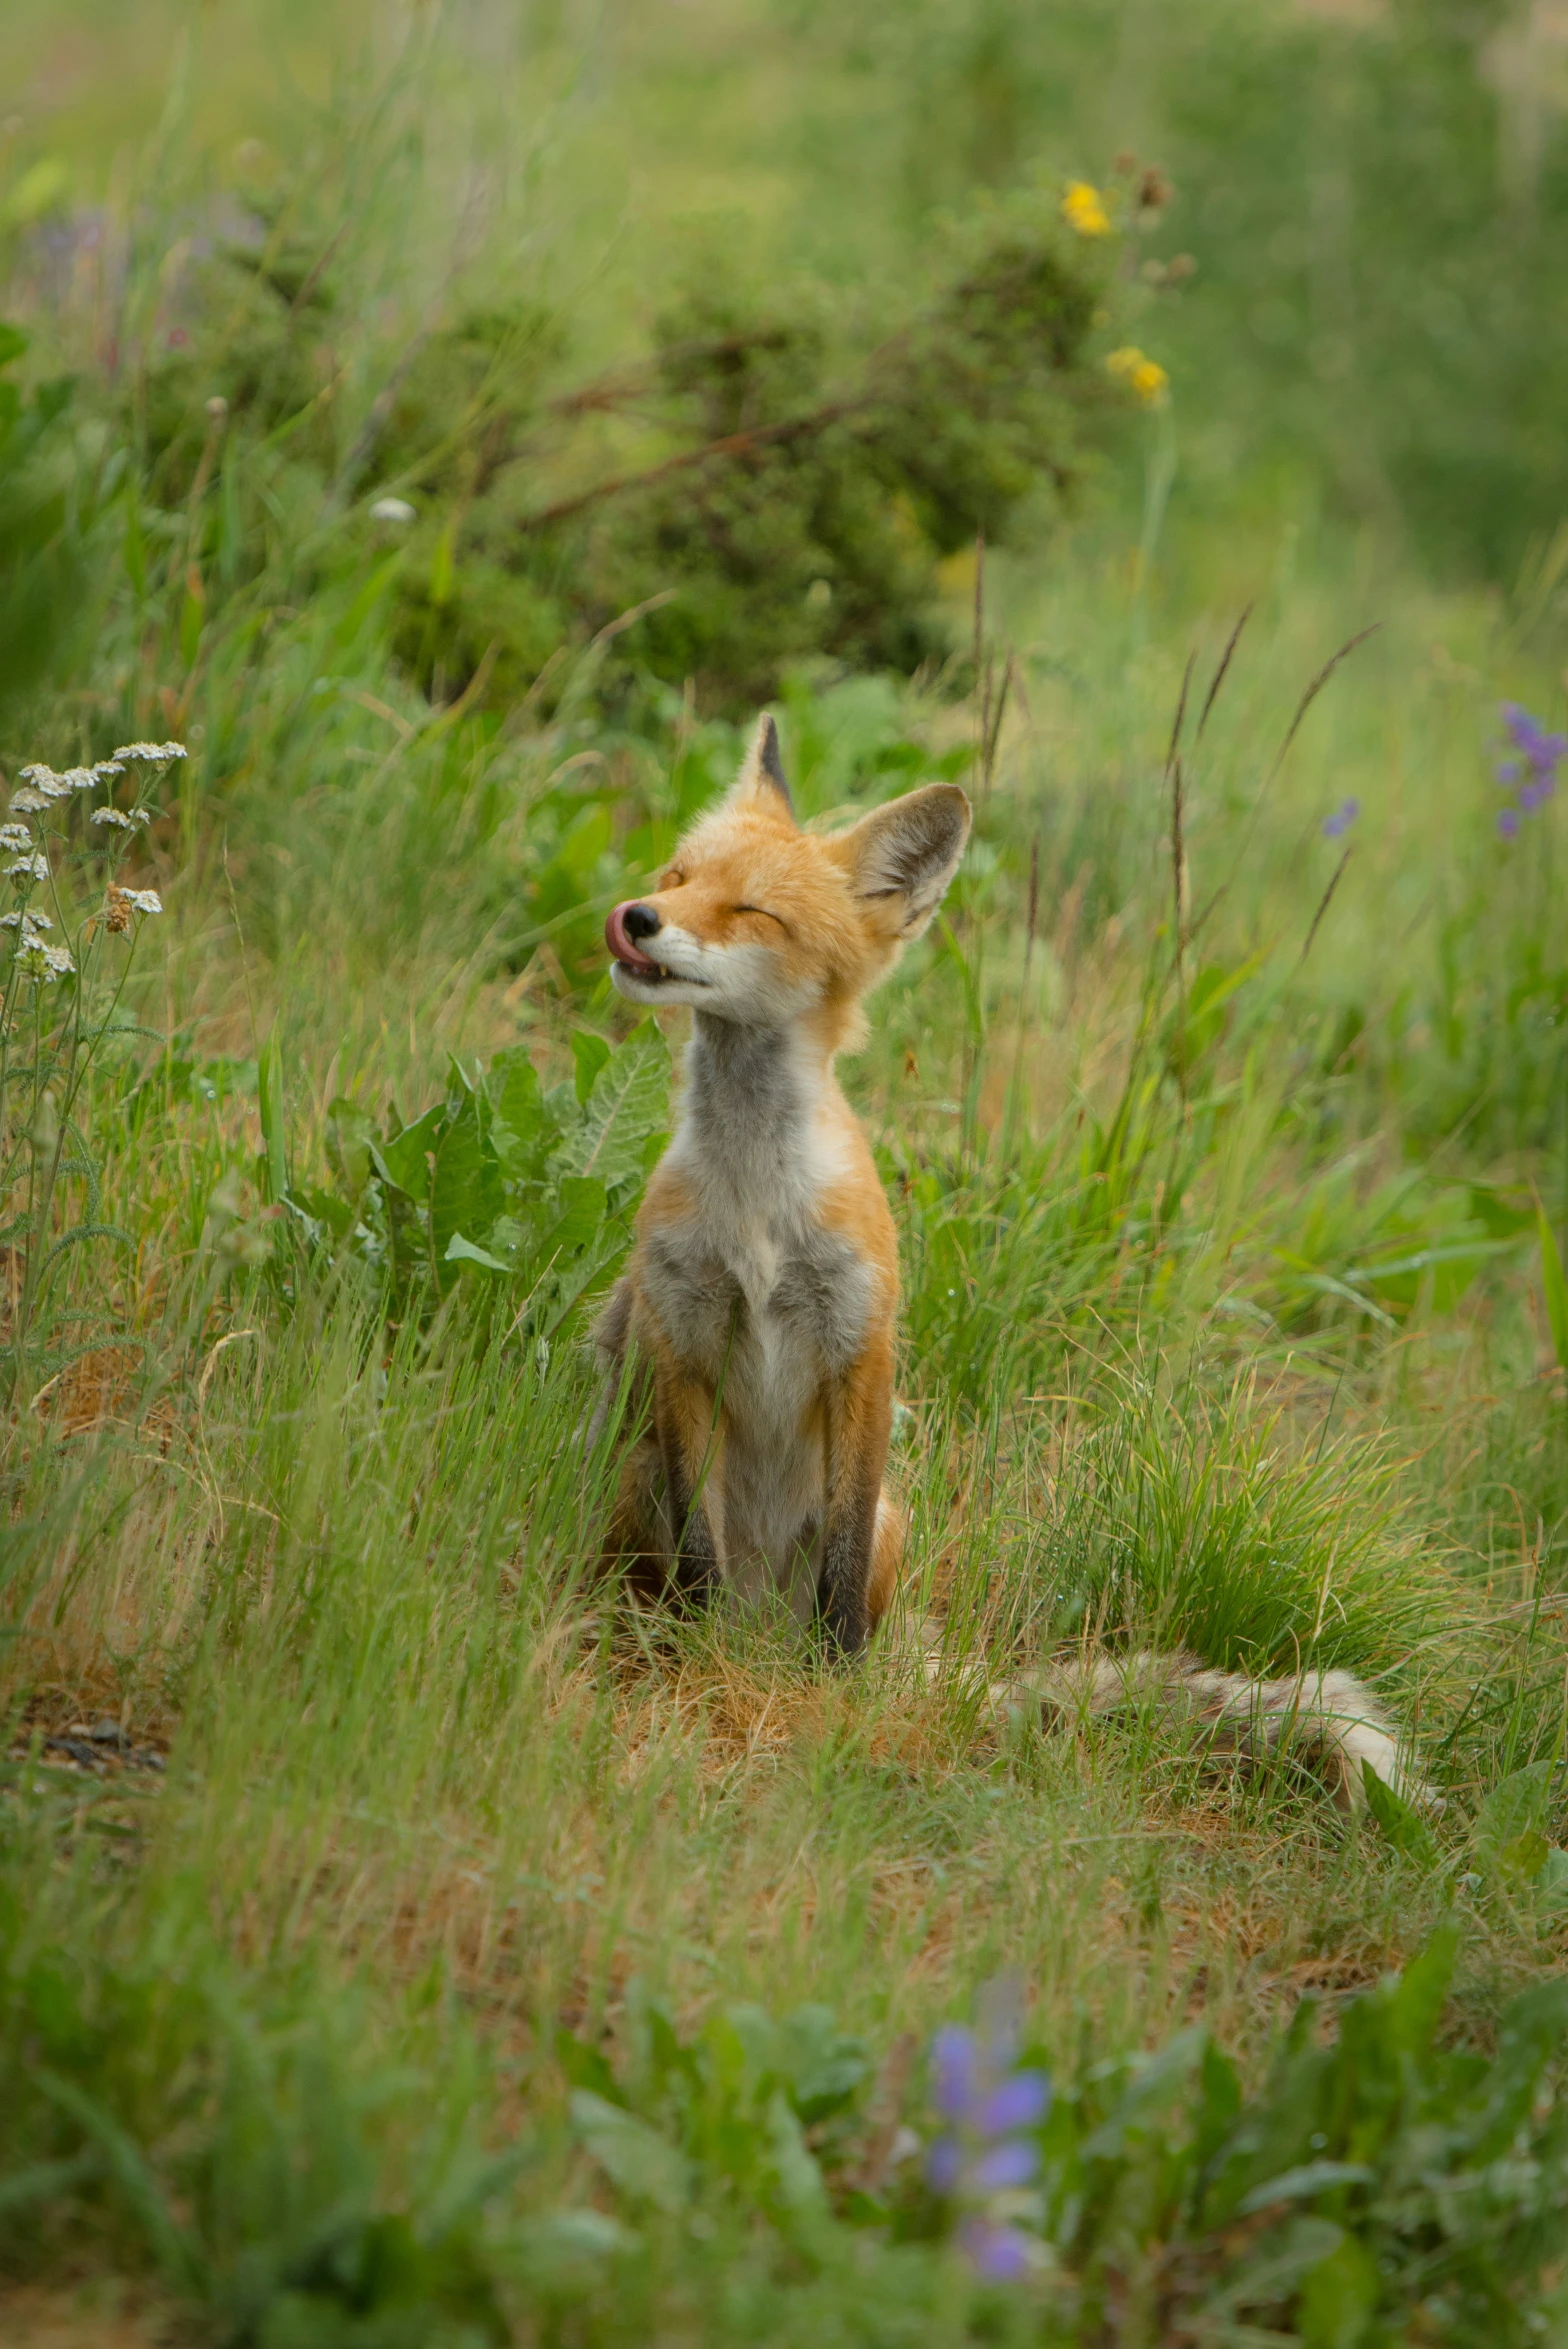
x: 760, y: 923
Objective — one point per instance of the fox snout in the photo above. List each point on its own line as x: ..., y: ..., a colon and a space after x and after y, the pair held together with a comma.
x: 626, y: 925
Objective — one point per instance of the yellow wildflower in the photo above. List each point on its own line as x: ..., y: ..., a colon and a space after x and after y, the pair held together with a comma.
x: 1143, y: 375
x: 1083, y: 208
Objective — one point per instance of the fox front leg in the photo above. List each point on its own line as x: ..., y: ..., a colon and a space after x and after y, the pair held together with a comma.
x: 693, y: 1490
x: 860, y: 1422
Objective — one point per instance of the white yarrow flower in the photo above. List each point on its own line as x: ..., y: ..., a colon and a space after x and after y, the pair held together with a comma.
x: 52, y: 786
x: 144, y: 900
x: 112, y: 815
x: 43, y: 964
x: 393, y: 510
x: 106, y: 769
x: 13, y: 837
x: 28, y: 920
x: 80, y: 778
x: 28, y: 868
x: 28, y: 802
x: 152, y: 754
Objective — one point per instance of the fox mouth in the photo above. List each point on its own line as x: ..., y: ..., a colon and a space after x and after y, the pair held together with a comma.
x: 634, y: 960
x: 654, y: 974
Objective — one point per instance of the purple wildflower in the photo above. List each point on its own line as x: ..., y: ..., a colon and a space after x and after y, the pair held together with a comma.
x: 1019, y: 2103
x: 1002, y: 2255
x: 1534, y: 773
x: 1012, y: 2163
x: 1523, y: 731
x: 953, y: 2065
x: 984, y: 2158
x: 1336, y: 825
x: 1542, y: 751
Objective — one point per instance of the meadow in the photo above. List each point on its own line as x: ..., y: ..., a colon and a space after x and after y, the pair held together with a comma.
x: 398, y: 1944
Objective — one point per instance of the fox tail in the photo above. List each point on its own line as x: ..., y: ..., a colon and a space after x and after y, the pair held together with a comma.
x: 1328, y: 1720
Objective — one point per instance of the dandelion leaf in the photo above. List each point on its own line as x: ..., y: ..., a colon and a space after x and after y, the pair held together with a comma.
x: 1339, y: 2297
x: 465, y: 1191
x: 522, y: 1129
x: 633, y: 2157
x: 350, y: 1133
x: 582, y: 1205
x: 403, y: 1159
x: 461, y: 1251
x: 1513, y: 1812
x: 823, y: 2066
x: 629, y: 1101
x: 1403, y: 1825
x: 798, y: 2179
x: 590, y: 1053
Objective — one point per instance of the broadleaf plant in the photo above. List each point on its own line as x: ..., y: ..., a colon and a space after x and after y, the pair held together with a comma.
x: 502, y: 1181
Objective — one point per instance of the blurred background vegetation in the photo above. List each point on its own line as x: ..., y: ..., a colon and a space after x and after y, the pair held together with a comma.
x: 1373, y: 191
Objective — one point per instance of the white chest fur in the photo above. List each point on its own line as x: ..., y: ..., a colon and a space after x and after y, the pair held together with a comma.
x: 756, y: 1297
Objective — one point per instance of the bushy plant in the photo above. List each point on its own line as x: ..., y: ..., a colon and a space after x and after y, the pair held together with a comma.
x: 502, y: 1180
x: 778, y: 481
x: 810, y: 492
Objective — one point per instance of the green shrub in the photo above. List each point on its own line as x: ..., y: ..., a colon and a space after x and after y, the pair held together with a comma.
x: 777, y: 482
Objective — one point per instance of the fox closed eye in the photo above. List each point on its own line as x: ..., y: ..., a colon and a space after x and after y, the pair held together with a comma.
x: 766, y: 916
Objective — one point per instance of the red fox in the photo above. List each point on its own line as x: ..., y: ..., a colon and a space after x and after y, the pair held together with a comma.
x: 757, y: 1313
x: 763, y: 1287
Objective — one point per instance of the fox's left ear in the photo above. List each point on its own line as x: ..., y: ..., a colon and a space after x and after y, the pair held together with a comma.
x: 904, y: 855
x: 762, y: 771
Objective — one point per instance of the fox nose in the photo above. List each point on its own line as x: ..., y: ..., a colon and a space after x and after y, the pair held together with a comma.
x: 626, y: 925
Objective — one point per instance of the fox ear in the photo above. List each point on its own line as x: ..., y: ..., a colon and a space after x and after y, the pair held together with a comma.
x: 762, y: 771
x: 905, y: 854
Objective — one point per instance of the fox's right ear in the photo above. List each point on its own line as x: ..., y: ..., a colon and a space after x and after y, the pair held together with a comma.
x: 762, y: 771
x: 904, y: 855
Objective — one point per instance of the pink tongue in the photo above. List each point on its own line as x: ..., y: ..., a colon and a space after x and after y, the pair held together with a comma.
x: 623, y: 946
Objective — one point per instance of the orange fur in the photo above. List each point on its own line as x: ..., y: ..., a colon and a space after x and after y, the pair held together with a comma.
x: 760, y: 1300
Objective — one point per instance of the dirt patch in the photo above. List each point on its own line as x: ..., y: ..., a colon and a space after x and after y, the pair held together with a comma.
x: 95, y: 1739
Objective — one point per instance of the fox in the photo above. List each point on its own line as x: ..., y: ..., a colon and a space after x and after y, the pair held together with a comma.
x: 760, y: 1302
x: 752, y: 1334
